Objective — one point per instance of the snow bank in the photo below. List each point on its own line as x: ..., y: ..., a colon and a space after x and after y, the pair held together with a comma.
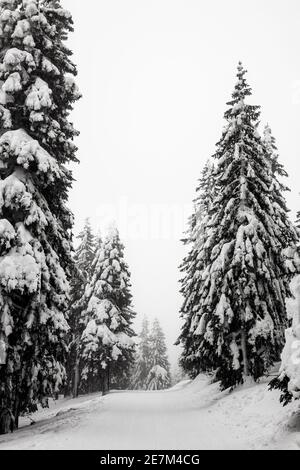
x: 180, y: 385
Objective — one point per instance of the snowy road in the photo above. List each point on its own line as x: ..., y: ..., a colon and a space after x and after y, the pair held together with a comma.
x: 197, y: 416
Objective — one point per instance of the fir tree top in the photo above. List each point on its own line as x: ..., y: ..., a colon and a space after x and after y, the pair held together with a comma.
x: 241, y: 91
x: 85, y: 252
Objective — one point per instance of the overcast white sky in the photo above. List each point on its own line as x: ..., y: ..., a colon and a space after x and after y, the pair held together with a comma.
x: 155, y: 76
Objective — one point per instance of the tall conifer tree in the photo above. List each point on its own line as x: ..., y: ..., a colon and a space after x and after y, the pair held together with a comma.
x: 106, y: 344
x: 159, y: 373
x: 37, y: 92
x: 194, y: 264
x: 83, y: 259
x: 142, y: 360
x: 238, y: 323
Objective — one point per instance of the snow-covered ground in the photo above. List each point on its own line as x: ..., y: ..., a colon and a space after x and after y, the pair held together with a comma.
x: 194, y: 415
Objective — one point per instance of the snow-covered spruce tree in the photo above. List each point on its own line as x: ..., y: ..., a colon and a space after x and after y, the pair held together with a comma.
x: 238, y: 324
x: 107, y: 345
x: 292, y: 252
x: 83, y: 260
x: 142, y: 363
x: 193, y: 265
x: 37, y: 91
x: 159, y: 373
x: 288, y: 380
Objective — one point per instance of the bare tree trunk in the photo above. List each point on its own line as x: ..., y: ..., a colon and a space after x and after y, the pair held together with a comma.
x: 244, y: 351
x: 103, y: 383
x: 7, y: 421
x: 99, y: 380
x: 76, y: 379
x: 106, y: 382
x: 108, y: 378
x: 90, y: 384
x: 16, y: 411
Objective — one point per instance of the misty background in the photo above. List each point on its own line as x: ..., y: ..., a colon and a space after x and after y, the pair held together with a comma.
x: 155, y: 76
